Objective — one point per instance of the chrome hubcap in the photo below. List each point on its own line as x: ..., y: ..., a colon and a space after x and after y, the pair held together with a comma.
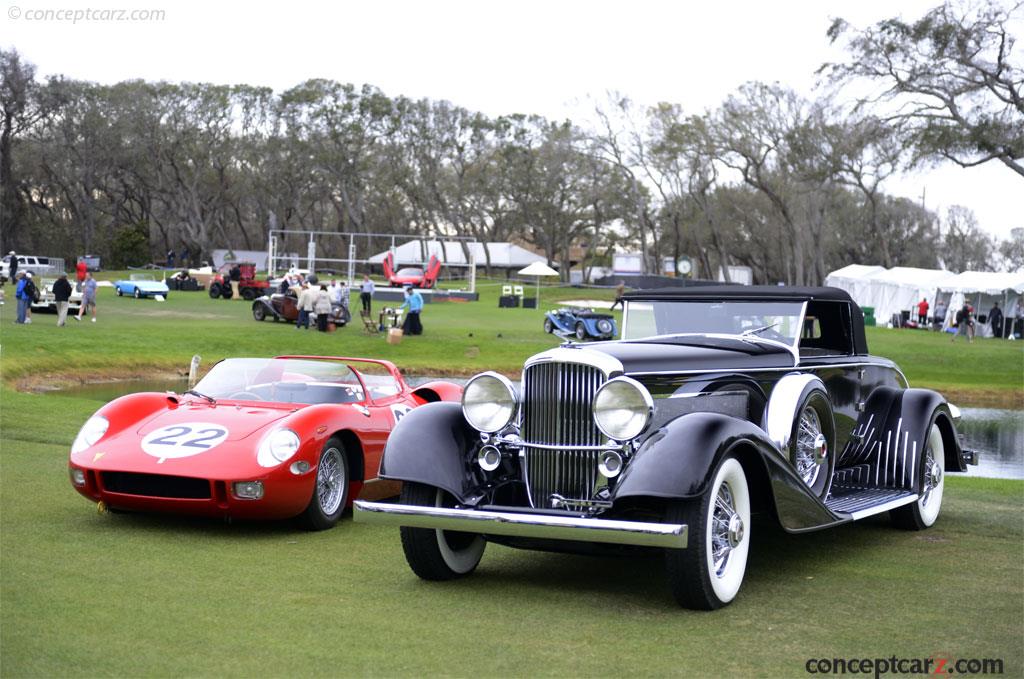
x: 735, y: 531
x: 330, y: 481
x: 811, y: 447
x: 726, y: 528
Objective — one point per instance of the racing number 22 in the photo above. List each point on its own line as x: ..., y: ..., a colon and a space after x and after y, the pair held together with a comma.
x: 174, y: 439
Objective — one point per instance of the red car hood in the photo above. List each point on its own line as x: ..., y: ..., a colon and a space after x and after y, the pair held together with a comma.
x: 196, y: 438
x: 240, y: 420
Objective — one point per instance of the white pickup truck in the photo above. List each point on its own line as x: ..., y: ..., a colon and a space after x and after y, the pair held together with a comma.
x: 39, y: 266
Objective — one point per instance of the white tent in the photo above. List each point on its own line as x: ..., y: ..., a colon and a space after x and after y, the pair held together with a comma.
x: 855, y: 279
x: 982, y: 289
x: 888, y: 291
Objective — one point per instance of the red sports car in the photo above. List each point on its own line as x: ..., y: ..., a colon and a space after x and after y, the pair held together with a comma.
x: 257, y: 438
x: 413, y: 276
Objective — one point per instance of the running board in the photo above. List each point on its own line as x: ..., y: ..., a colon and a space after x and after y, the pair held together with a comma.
x: 858, y: 503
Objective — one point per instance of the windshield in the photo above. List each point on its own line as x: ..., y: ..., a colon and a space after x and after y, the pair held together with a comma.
x: 779, y: 321
x: 291, y: 380
x: 141, y: 277
x: 410, y: 273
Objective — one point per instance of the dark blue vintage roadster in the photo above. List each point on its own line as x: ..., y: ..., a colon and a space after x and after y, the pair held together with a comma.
x: 583, y: 324
x: 718, y: 404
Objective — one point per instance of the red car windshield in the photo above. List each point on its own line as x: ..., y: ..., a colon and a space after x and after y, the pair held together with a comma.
x: 409, y: 273
x: 290, y: 380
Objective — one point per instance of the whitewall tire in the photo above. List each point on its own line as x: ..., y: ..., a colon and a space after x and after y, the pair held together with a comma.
x: 708, y: 574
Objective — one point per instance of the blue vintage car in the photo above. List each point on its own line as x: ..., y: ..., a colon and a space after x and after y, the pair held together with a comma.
x: 582, y: 323
x: 141, y: 285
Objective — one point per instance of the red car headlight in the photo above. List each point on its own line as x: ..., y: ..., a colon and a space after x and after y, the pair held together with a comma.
x: 277, y: 447
x: 90, y: 433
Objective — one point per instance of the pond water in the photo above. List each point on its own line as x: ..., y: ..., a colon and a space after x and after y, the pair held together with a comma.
x: 998, y: 435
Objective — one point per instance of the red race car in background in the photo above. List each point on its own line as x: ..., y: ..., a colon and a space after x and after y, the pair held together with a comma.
x: 257, y: 438
x: 414, y: 276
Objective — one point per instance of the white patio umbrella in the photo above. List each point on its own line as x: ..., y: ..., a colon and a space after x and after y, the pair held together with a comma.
x: 538, y: 269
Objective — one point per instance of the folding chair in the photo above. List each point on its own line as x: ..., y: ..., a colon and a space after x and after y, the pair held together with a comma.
x: 370, y: 326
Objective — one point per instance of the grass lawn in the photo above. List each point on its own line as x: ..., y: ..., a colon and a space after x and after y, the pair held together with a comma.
x: 85, y: 594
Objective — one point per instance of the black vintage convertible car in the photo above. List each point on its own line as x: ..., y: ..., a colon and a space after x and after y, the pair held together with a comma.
x: 717, y: 404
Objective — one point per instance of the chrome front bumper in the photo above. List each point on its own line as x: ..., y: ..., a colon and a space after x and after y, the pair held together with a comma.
x: 643, y: 534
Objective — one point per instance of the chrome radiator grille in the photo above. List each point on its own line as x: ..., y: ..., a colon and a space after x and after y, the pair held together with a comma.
x: 557, y: 419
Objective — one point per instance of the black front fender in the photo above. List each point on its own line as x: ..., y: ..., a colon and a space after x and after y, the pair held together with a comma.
x: 430, y: 446
x: 678, y: 460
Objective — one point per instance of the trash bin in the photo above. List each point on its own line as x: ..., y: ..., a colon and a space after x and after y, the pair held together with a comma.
x: 869, y: 315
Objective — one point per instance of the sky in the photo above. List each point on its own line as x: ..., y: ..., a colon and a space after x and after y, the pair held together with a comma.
x: 550, y: 58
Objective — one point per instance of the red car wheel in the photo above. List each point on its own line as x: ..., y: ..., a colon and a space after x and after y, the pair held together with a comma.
x: 330, y: 492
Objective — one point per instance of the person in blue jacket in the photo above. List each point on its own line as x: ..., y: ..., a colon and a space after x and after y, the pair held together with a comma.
x: 23, y: 299
x: 414, y: 303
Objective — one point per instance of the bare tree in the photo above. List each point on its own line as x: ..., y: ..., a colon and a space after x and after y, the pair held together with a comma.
x: 951, y: 78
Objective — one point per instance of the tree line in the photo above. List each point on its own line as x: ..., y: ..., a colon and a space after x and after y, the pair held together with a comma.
x: 790, y: 186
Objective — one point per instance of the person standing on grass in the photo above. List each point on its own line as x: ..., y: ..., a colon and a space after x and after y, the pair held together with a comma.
x: 305, y: 304
x: 322, y: 308
x: 61, y: 295
x: 922, y: 311
x: 80, y: 270
x: 995, y: 320
x: 88, y: 298
x: 339, y: 299
x: 964, y: 324
x: 366, y: 293
x: 939, y: 319
x: 414, y: 303
x: 19, y: 294
x: 12, y: 264
x: 31, y: 293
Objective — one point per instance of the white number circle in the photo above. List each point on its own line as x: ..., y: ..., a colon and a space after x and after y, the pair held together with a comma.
x: 183, y: 440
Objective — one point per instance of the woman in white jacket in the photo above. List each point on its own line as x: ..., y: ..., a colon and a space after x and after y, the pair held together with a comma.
x: 322, y: 308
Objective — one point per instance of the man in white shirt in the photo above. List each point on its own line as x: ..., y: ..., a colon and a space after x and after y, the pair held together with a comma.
x: 366, y: 293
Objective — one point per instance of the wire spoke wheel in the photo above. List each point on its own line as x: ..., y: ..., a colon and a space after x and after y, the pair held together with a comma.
x: 722, y: 518
x: 805, y: 459
x: 329, y: 495
x: 330, y: 481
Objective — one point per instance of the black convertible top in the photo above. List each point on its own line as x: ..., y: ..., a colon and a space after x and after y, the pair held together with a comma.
x: 851, y: 322
x: 743, y: 292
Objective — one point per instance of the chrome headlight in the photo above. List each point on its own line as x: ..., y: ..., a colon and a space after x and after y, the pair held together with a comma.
x: 277, y: 447
x: 91, y: 432
x: 622, y: 408
x: 489, y: 402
